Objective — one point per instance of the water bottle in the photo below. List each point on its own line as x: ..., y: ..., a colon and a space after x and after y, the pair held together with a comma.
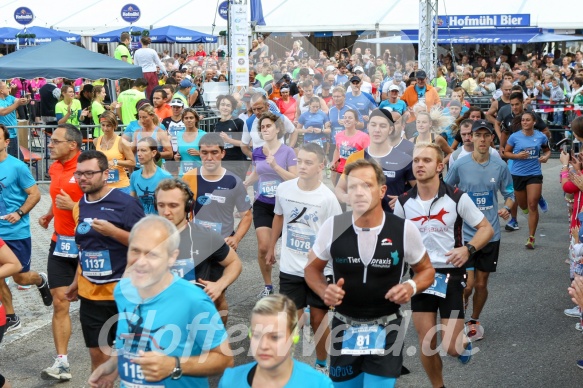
x: 307, y: 316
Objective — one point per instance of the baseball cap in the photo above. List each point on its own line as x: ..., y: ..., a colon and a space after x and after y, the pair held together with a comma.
x: 550, y: 55
x: 330, y: 68
x: 311, y: 71
x: 247, y: 97
x: 358, y: 68
x: 355, y: 78
x: 421, y: 74
x: 326, y: 85
x: 524, y: 73
x: 176, y: 101
x: 185, y: 84
x: 455, y: 103
x: 398, y: 76
x: 479, y: 124
x: 393, y: 87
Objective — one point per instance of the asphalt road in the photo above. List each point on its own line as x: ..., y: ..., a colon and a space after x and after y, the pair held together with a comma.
x: 528, y: 341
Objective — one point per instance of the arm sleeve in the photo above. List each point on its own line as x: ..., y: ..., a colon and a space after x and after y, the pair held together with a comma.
x: 288, y: 125
x: 506, y: 183
x: 57, y: 93
x: 246, y: 136
x: 413, y: 244
x: 134, y: 212
x: 399, y: 211
x: 452, y: 177
x: 469, y: 211
x: 242, y: 202
x: 25, y: 179
x: 321, y: 247
x: 291, y: 158
x: 278, y: 209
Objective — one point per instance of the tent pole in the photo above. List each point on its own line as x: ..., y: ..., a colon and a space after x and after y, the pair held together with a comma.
x: 378, y: 35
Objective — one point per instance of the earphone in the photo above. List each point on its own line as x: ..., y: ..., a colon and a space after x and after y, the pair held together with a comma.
x: 189, y: 206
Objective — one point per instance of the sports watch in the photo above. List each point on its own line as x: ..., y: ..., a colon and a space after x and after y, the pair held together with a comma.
x: 177, y: 372
x: 20, y: 213
x: 471, y: 248
x: 115, y: 162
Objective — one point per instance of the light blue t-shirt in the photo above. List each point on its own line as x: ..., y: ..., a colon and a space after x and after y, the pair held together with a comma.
x: 533, y: 145
x: 9, y: 120
x: 303, y: 376
x: 316, y: 120
x: 145, y: 188
x: 482, y: 182
x: 399, y: 106
x: 187, y: 161
x: 180, y: 321
x: 15, y: 177
x: 361, y: 102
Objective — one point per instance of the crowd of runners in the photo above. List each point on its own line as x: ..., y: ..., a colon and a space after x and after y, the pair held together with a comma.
x: 369, y: 197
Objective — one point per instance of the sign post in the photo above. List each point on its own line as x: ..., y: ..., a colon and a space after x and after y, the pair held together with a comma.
x: 24, y: 16
x: 239, y: 45
x: 131, y: 13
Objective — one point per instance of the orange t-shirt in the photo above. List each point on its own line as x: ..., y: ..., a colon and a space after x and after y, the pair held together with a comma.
x: 163, y: 112
x: 62, y: 179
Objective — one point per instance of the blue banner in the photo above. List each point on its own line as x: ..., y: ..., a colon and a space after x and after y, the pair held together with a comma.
x: 505, y: 20
x: 23, y: 15
x: 130, y: 13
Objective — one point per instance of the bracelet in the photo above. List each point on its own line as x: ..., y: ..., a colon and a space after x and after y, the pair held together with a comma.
x: 564, y: 174
x: 413, y: 285
x: 507, y: 208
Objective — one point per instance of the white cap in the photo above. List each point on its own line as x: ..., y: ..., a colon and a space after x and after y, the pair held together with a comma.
x: 358, y: 68
x: 330, y: 68
x: 311, y: 71
x: 393, y: 87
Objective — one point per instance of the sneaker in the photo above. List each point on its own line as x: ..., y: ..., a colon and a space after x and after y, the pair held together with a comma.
x: 321, y: 369
x: 44, y: 290
x: 525, y: 211
x: 511, y: 226
x: 265, y: 292
x: 466, y: 355
x: 474, y: 330
x: 578, y: 326
x: 574, y: 312
x: 12, y: 323
x: 328, y: 172
x: 580, y: 363
x: 59, y: 371
x: 542, y: 203
x: 530, y: 243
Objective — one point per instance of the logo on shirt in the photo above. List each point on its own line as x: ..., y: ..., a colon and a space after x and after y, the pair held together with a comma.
x: 395, y: 257
x: 438, y: 217
x: 386, y: 241
x: 72, y: 180
x: 492, y: 180
x: 302, y: 217
x: 107, y: 209
x: 83, y: 228
x: 204, y: 200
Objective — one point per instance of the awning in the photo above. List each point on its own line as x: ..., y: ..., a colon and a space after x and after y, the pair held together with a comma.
x: 173, y: 34
x: 42, y: 35
x: 113, y: 36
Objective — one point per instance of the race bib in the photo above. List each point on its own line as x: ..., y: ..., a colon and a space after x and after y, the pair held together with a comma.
x: 131, y: 374
x: 298, y: 240
x: 363, y: 340
x: 187, y: 166
x: 319, y: 142
x: 214, y: 226
x: 96, y: 263
x: 439, y: 286
x: 484, y: 200
x: 184, y: 268
x: 229, y: 145
x: 113, y: 176
x: 346, y: 151
x: 532, y: 152
x: 268, y: 188
x: 66, y: 247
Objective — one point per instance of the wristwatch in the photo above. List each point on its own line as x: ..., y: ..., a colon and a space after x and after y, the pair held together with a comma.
x: 471, y: 248
x: 177, y: 372
x: 20, y: 213
x: 115, y: 162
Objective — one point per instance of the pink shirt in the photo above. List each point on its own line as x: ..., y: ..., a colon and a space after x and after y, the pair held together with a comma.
x: 36, y: 84
x: 347, y: 145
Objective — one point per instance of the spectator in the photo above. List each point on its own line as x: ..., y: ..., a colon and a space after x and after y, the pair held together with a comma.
x: 148, y: 59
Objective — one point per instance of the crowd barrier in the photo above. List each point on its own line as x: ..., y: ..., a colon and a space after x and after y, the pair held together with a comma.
x: 33, y: 143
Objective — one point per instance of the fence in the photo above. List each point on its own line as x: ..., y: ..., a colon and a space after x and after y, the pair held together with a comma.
x: 33, y: 142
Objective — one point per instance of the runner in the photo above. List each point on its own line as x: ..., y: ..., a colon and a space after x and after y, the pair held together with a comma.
x: 448, y: 253
x: 144, y: 181
x: 314, y: 124
x: 524, y: 148
x: 274, y: 163
x: 202, y: 250
x: 274, y: 333
x: 104, y: 218
x: 9, y: 265
x: 348, y: 141
x: 187, y: 142
x: 429, y: 126
x: 301, y: 207
x: 150, y: 127
x: 147, y: 304
x: 18, y: 195
x: 368, y: 249
x: 119, y: 155
x: 63, y: 260
x: 482, y: 174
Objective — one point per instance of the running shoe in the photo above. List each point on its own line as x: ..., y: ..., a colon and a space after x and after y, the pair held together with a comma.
x: 59, y: 371
x: 580, y: 363
x: 321, y: 369
x: 328, y: 171
x: 512, y: 225
x: 530, y: 243
x: 474, y: 330
x: 525, y: 211
x: 265, y: 292
x: 44, y: 290
x: 12, y: 324
x: 466, y: 355
x: 575, y: 312
x: 542, y: 203
x: 578, y: 326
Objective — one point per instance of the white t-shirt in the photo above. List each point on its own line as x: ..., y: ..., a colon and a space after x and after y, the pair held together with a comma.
x: 366, y: 87
x: 303, y: 212
x: 253, y: 134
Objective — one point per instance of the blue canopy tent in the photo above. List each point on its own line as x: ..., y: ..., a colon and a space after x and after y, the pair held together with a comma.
x: 172, y: 34
x: 61, y: 59
x: 113, y: 36
x: 42, y: 35
x: 480, y: 36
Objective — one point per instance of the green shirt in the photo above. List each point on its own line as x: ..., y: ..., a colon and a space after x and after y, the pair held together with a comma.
x: 182, y: 98
x: 122, y: 51
x: 263, y: 78
x: 440, y: 82
x: 61, y: 111
x: 96, y: 110
x: 129, y: 99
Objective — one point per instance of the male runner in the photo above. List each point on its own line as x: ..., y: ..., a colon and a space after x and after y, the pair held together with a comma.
x: 438, y: 211
x: 62, y: 263
x: 153, y: 300
x: 368, y: 249
x: 201, y: 249
x: 467, y: 147
x: 104, y: 218
x: 18, y: 195
x: 301, y: 207
x: 481, y: 175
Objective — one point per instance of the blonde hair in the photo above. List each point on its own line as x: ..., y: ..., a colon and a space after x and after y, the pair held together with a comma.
x: 276, y: 304
x: 439, y: 121
x: 149, y: 109
x: 435, y: 147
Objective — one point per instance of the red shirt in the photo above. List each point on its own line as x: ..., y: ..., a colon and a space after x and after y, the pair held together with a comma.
x: 287, y: 108
x: 62, y: 179
x: 163, y: 112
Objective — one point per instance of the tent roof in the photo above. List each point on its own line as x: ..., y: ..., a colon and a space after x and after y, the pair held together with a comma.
x: 171, y: 34
x: 43, y: 35
x: 113, y: 36
x: 61, y: 59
